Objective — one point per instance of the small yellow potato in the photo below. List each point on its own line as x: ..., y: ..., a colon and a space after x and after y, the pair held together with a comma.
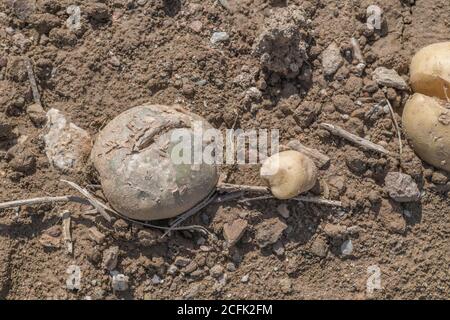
x: 289, y: 173
x: 430, y: 70
x: 426, y: 121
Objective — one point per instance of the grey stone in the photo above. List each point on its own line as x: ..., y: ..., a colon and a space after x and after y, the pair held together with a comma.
x: 119, y: 281
x: 401, y: 187
x: 389, y: 78
x: 110, y: 258
x: 347, y: 248
x: 331, y: 59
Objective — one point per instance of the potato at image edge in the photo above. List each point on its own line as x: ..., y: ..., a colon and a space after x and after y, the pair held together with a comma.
x: 426, y: 122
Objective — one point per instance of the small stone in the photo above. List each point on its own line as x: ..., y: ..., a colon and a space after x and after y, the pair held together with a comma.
x: 286, y: 285
x: 439, y: 178
x: 347, y: 248
x: 119, y: 281
x: 193, y: 291
x: 389, y: 78
x: 269, y: 231
x: 66, y: 145
x: 156, y: 279
x: 216, y: 271
x: 172, y: 269
x: 331, y: 59
x: 283, y: 210
x: 182, y: 262
x: 401, y: 187
x: 391, y: 216
x: 21, y: 159
x: 110, y: 258
x: 334, y: 230
x: 148, y: 237
x: 219, y: 37
x: 338, y: 183
x: 196, y: 26
x: 344, y: 104
x: 96, y: 235
x: 37, y: 114
x: 114, y: 61
x: 245, y: 278
x: 191, y: 267
x: 141, y: 2
x: 319, y: 248
x: 278, y: 248
x: 51, y: 237
x: 231, y: 267
x: 233, y: 232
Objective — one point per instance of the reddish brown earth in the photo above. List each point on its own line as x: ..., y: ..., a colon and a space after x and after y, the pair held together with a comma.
x: 157, y: 51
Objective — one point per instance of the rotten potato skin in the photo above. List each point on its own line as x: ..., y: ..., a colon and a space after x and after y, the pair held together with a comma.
x: 430, y: 70
x: 289, y: 173
x: 132, y: 155
x: 426, y: 121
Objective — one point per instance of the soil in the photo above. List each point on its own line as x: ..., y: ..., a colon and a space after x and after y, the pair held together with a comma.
x: 127, y: 53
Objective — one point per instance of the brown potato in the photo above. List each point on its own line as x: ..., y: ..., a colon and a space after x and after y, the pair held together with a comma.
x: 430, y: 70
x: 426, y: 121
x: 289, y: 173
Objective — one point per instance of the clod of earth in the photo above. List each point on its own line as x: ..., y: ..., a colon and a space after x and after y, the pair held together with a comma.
x: 144, y: 171
x: 282, y: 45
x: 289, y: 174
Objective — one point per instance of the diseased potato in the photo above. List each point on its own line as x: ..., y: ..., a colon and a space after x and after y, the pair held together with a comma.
x: 132, y: 155
x: 430, y: 70
x: 289, y: 173
x: 426, y: 121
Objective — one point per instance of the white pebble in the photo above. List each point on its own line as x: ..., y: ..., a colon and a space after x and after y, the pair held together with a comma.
x: 219, y: 37
x: 347, y: 248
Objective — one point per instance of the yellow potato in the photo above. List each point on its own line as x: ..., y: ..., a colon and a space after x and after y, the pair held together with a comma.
x: 430, y: 70
x: 426, y: 121
x: 289, y: 173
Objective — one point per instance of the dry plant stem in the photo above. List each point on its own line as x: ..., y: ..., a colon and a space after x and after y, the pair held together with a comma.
x: 225, y: 4
x: 315, y: 200
x: 101, y: 208
x: 357, y: 50
x: 34, y: 201
x: 32, y: 79
x: 338, y: 131
x: 66, y: 222
x: 227, y: 187
x: 319, y: 158
x: 397, y: 128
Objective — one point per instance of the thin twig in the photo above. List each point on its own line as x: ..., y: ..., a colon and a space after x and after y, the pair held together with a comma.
x: 66, y: 221
x: 338, y: 131
x: 357, y: 50
x: 32, y: 79
x: 309, y: 199
x: 225, y: 4
x: 41, y: 200
x: 319, y: 158
x: 397, y: 128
